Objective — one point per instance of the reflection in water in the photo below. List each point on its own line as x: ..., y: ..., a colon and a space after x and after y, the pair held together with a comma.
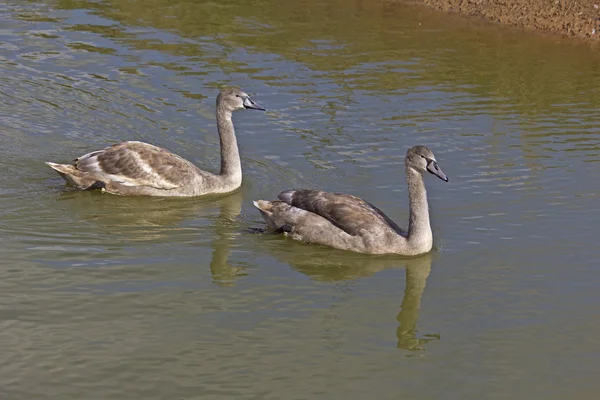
x: 324, y: 264
x: 149, y: 219
x: 143, y: 218
x: 111, y: 212
x: 330, y: 36
x: 226, y: 232
x: 417, y: 271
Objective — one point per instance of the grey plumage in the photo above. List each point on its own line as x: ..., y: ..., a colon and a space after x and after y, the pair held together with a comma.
x: 138, y: 168
x: 347, y: 222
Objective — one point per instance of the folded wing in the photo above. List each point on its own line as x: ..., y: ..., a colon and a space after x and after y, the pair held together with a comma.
x: 347, y: 212
x: 137, y: 164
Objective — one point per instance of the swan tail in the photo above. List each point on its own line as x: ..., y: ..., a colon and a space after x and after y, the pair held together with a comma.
x: 274, y: 214
x: 75, y: 177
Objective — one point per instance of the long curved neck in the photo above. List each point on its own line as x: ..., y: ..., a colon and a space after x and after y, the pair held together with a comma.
x: 231, y: 166
x: 419, y: 228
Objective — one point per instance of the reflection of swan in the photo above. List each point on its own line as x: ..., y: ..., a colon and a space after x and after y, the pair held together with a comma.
x: 151, y: 219
x: 137, y: 168
x: 325, y: 264
x: 347, y: 222
x: 417, y: 271
x: 226, y: 230
x: 141, y: 218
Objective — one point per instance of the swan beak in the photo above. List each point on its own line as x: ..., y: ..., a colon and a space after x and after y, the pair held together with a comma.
x: 249, y: 104
x: 435, y: 169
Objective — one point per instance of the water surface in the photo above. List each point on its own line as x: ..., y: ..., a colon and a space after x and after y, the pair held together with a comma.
x: 108, y: 297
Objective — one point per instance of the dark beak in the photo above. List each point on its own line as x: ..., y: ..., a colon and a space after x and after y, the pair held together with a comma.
x: 251, y: 105
x: 435, y: 169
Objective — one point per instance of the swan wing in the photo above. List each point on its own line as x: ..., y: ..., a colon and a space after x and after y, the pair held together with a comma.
x: 137, y: 164
x: 347, y: 212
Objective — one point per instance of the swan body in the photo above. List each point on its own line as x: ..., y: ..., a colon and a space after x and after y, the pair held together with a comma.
x: 347, y: 222
x: 138, y: 168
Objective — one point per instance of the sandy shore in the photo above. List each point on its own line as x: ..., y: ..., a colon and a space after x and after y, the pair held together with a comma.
x: 579, y: 18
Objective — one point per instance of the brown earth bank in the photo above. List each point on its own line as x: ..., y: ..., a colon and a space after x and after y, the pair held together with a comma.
x: 580, y: 18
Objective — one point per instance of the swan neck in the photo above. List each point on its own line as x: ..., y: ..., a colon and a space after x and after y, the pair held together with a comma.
x: 419, y: 228
x: 231, y: 166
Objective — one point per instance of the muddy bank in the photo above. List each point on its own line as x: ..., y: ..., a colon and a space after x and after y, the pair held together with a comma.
x: 580, y: 18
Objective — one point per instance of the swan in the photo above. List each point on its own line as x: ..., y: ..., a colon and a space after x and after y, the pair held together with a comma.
x: 349, y: 223
x: 138, y: 168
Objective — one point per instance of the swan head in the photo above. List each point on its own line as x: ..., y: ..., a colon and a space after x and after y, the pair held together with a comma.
x: 236, y: 99
x: 421, y: 159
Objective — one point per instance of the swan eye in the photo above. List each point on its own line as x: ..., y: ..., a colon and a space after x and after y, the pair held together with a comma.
x: 237, y: 95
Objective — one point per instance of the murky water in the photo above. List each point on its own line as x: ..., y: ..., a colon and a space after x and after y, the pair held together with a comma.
x: 107, y: 297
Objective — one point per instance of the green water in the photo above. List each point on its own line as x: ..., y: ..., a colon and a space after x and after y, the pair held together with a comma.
x: 104, y: 297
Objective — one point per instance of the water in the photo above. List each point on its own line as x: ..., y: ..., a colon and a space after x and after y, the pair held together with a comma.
x: 107, y: 297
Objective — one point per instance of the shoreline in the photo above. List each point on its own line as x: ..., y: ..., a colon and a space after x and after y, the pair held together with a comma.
x: 573, y: 18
